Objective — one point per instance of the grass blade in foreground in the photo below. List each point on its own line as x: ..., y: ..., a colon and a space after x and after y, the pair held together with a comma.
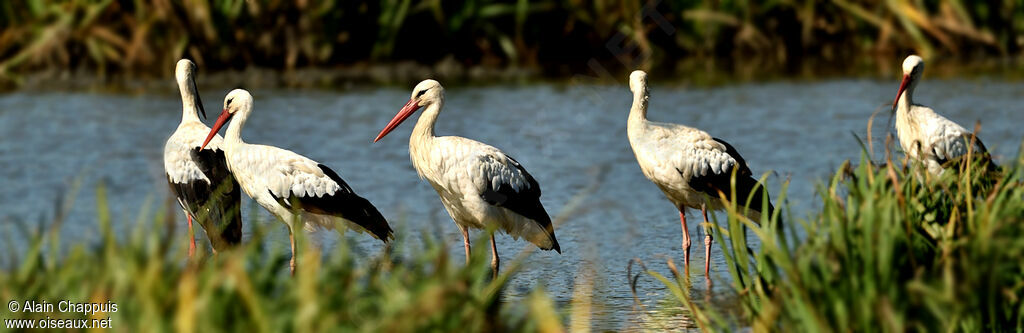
x: 887, y: 252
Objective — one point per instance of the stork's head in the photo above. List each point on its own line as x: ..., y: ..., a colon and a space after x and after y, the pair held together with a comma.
x: 184, y: 70
x: 185, y: 73
x: 913, y: 65
x: 912, y: 68
x: 637, y: 81
x: 237, y: 101
x: 426, y: 93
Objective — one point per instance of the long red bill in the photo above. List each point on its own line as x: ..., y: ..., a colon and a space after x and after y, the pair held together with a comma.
x: 223, y: 119
x: 903, y: 86
x: 407, y: 110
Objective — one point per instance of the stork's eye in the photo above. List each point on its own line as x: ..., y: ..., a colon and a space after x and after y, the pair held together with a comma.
x: 424, y: 91
x: 229, y: 100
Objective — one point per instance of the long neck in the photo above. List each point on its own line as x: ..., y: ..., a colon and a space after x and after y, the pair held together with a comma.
x: 189, y: 100
x: 233, y: 136
x: 906, y: 100
x: 638, y: 113
x: 906, y: 125
x: 424, y: 129
x: 422, y: 138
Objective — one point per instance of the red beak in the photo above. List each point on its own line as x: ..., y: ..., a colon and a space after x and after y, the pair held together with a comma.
x: 407, y: 110
x: 903, y: 86
x: 223, y: 119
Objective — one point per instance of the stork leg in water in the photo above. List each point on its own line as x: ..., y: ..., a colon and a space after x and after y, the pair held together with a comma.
x: 707, y: 239
x: 494, y: 258
x: 291, y: 263
x: 465, y: 241
x: 191, y: 237
x: 686, y: 241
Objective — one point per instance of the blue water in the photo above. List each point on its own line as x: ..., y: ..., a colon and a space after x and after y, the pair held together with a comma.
x: 572, y: 138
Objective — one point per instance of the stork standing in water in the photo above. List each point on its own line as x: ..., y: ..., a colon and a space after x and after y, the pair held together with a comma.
x: 479, y: 185
x: 199, y: 177
x: 294, y: 188
x: 689, y: 166
x: 925, y: 136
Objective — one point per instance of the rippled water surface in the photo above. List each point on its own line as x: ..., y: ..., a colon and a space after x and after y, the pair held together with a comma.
x: 572, y: 138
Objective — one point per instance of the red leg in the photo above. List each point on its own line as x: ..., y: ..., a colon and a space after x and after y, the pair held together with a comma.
x: 710, y: 287
x: 707, y: 241
x: 465, y: 241
x: 494, y: 259
x: 686, y: 240
x: 291, y: 236
x: 191, y: 237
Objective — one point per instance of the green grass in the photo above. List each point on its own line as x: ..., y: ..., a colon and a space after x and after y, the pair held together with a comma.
x: 157, y: 288
x: 889, y: 251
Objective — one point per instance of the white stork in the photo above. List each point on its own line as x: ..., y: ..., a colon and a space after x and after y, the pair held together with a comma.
x: 479, y: 185
x: 292, y: 187
x: 689, y: 166
x: 925, y: 136
x: 200, y: 178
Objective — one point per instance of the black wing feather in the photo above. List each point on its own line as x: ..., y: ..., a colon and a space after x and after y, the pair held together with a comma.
x: 344, y: 203
x: 525, y: 202
x: 216, y: 206
x: 746, y: 184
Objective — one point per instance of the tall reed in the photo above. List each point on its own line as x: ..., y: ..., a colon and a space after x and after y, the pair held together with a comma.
x: 145, y: 37
x: 892, y: 249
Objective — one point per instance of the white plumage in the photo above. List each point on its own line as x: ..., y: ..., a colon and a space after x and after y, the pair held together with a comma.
x: 284, y: 182
x: 462, y: 170
x: 670, y: 155
x: 267, y: 173
x: 199, y: 178
x: 925, y: 136
x: 479, y: 185
x: 688, y: 165
x: 178, y: 162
